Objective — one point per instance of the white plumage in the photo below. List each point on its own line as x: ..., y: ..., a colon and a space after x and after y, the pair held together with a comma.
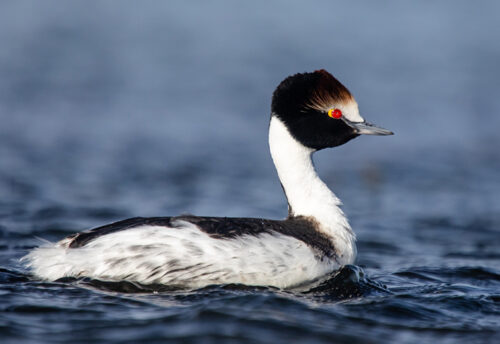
x: 183, y: 256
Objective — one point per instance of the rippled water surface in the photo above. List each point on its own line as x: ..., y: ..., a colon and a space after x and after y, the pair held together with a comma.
x: 111, y: 110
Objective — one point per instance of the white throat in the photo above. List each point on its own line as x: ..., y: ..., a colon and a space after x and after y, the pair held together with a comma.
x: 306, y: 193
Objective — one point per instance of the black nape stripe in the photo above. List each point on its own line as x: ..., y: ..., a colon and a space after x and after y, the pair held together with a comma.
x: 300, y: 228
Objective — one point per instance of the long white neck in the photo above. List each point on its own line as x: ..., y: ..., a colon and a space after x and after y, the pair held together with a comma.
x: 307, y: 195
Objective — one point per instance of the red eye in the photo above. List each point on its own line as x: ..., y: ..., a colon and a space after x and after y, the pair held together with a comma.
x: 335, y: 113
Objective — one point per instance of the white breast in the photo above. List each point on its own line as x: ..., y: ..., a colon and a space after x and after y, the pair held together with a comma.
x: 183, y: 256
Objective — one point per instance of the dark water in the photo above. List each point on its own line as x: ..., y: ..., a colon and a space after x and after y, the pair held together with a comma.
x: 110, y: 110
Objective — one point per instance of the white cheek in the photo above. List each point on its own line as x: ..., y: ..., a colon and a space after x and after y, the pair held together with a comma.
x: 351, y: 112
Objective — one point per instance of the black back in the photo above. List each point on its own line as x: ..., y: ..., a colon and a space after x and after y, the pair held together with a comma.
x: 223, y: 228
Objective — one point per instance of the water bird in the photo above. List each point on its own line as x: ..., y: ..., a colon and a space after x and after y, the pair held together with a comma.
x: 309, y: 112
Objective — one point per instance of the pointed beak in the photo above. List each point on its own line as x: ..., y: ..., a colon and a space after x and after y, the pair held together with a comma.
x: 367, y: 128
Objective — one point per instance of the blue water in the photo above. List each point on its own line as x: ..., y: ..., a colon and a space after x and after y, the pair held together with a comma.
x: 111, y: 110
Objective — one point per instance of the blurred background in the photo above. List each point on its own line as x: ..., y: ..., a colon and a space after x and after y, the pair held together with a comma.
x: 104, y: 101
x: 116, y: 109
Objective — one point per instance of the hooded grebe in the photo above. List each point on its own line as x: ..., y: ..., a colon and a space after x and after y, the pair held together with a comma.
x: 309, y: 112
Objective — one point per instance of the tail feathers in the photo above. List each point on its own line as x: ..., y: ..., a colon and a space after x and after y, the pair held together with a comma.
x: 48, y: 262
